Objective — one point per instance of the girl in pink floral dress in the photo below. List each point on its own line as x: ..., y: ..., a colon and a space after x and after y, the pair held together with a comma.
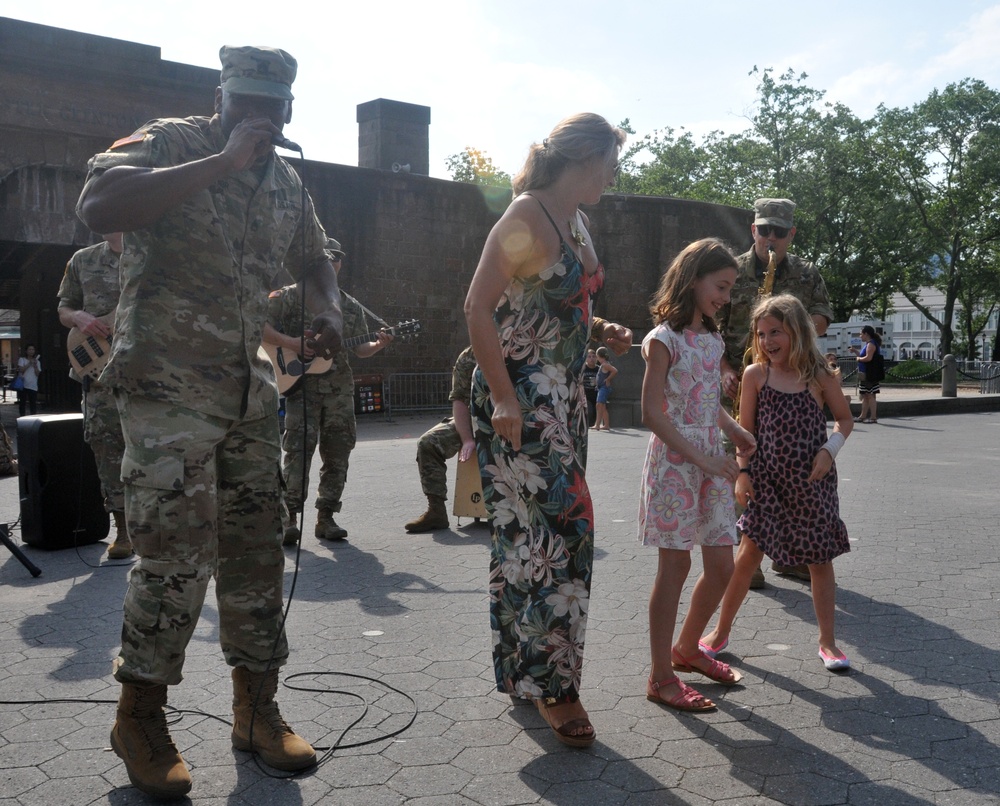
x: 687, y: 489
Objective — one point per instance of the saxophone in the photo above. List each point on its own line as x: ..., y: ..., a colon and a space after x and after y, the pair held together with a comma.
x: 764, y: 291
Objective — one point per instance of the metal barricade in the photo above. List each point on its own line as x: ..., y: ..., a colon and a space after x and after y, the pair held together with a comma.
x: 417, y: 391
x: 989, y: 382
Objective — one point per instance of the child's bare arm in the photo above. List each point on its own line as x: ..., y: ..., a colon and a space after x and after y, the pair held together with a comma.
x: 656, y: 420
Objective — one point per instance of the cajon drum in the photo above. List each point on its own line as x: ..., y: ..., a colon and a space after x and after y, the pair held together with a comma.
x: 469, y: 491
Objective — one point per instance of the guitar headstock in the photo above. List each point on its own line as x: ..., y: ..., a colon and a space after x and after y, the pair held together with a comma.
x: 406, y: 330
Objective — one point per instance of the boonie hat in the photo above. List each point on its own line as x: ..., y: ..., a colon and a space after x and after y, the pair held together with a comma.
x: 333, y: 247
x: 776, y: 212
x: 252, y: 70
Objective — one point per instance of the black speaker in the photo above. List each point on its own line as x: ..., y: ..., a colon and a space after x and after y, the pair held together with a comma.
x: 61, y: 501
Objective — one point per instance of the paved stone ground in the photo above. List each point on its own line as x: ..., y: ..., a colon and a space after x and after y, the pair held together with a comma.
x: 917, y: 721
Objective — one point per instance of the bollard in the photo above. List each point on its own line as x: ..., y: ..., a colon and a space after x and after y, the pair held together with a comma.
x: 949, y: 377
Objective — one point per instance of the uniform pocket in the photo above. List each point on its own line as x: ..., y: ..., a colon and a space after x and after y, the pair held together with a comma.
x: 148, y: 467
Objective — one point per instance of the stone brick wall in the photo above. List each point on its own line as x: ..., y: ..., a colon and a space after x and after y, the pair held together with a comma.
x: 412, y: 242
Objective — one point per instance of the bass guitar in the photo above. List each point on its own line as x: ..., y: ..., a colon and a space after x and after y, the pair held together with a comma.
x: 289, y: 367
x: 88, y: 355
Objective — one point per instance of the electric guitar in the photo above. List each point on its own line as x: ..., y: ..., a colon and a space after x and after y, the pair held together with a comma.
x: 289, y: 367
x: 88, y: 355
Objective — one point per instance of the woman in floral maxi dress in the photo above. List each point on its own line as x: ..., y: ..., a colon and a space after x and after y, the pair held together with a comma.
x: 529, y: 311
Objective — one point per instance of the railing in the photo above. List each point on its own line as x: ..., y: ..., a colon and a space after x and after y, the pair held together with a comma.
x: 417, y: 391
x: 986, y: 372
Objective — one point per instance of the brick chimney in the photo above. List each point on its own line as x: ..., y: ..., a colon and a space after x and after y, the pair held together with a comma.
x: 394, y: 136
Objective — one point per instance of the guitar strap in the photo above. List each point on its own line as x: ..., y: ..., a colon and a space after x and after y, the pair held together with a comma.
x: 372, y: 314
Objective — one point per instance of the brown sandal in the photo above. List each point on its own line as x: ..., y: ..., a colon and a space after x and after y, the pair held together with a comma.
x: 565, y: 731
x: 687, y: 700
x: 717, y: 671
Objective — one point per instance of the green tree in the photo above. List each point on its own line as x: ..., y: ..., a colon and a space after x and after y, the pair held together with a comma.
x: 475, y: 167
x: 937, y: 163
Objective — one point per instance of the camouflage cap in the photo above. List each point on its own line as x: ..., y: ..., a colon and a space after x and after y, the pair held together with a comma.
x: 257, y: 71
x: 777, y: 212
x: 333, y: 247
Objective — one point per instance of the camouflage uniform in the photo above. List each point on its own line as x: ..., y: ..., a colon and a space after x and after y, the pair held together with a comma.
x: 440, y: 443
x: 793, y: 276
x: 201, y: 463
x: 91, y: 284
x: 328, y: 401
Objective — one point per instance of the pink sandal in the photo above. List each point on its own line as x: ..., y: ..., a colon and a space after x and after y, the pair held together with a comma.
x: 687, y: 700
x: 712, y: 651
x: 717, y: 670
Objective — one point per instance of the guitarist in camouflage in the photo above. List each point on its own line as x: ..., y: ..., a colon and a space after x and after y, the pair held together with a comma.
x: 319, y: 408
x: 89, y: 291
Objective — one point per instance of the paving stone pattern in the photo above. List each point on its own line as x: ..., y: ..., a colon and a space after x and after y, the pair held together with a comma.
x: 917, y: 721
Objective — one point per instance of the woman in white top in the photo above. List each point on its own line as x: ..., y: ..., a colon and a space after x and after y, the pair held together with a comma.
x: 29, y: 367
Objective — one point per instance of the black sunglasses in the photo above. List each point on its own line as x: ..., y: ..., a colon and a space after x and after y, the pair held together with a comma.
x: 765, y: 230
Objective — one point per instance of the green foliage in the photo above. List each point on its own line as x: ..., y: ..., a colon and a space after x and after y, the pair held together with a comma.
x: 476, y: 168
x: 907, y: 199
x: 913, y: 370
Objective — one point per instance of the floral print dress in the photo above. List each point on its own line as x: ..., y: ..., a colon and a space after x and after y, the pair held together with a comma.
x: 679, y: 505
x: 537, y: 498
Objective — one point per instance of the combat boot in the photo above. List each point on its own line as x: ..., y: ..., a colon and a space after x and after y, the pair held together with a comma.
x: 141, y: 739
x: 291, y: 533
x: 256, y: 712
x: 122, y: 547
x: 436, y: 517
x: 326, y: 526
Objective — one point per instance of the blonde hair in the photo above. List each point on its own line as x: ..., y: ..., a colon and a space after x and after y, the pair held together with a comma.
x: 673, y: 301
x: 578, y: 138
x: 804, y: 357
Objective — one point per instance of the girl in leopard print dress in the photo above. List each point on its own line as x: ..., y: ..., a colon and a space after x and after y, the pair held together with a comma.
x: 789, y: 486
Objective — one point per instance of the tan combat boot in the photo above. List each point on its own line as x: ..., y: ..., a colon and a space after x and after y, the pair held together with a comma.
x: 436, y: 517
x: 326, y: 526
x: 255, y: 710
x: 141, y: 739
x: 122, y: 547
x: 291, y: 533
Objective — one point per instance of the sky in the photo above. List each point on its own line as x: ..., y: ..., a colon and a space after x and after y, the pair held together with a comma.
x: 499, y: 74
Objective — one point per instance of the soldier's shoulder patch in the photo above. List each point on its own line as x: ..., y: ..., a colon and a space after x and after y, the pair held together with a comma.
x: 138, y: 137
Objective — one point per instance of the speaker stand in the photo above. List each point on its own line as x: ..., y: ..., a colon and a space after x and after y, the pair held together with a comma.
x: 5, y: 539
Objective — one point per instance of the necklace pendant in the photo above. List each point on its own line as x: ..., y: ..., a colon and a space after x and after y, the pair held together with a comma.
x: 578, y: 237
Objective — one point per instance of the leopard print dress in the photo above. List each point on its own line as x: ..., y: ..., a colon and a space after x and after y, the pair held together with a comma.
x: 792, y: 520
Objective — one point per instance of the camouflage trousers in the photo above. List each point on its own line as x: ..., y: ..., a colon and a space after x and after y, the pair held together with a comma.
x: 102, y: 430
x: 201, y: 498
x: 328, y: 419
x: 436, y: 447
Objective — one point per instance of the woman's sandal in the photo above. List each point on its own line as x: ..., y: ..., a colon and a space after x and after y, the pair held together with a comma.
x: 718, y: 671
x: 687, y: 700
x: 565, y: 731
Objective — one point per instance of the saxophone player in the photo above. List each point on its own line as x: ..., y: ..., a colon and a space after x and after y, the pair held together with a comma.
x: 773, y: 229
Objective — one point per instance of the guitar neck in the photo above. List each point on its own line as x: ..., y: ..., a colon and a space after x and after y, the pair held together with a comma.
x: 367, y: 337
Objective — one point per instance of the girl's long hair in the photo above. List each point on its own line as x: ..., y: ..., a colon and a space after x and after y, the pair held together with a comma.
x: 673, y: 301
x: 804, y: 357
x: 578, y: 138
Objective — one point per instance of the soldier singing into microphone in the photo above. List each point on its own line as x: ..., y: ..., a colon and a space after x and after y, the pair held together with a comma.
x: 210, y: 216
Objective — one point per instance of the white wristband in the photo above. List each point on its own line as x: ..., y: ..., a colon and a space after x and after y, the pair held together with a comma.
x: 834, y: 444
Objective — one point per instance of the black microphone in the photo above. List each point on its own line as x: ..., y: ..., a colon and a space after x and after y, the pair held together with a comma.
x: 281, y: 141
